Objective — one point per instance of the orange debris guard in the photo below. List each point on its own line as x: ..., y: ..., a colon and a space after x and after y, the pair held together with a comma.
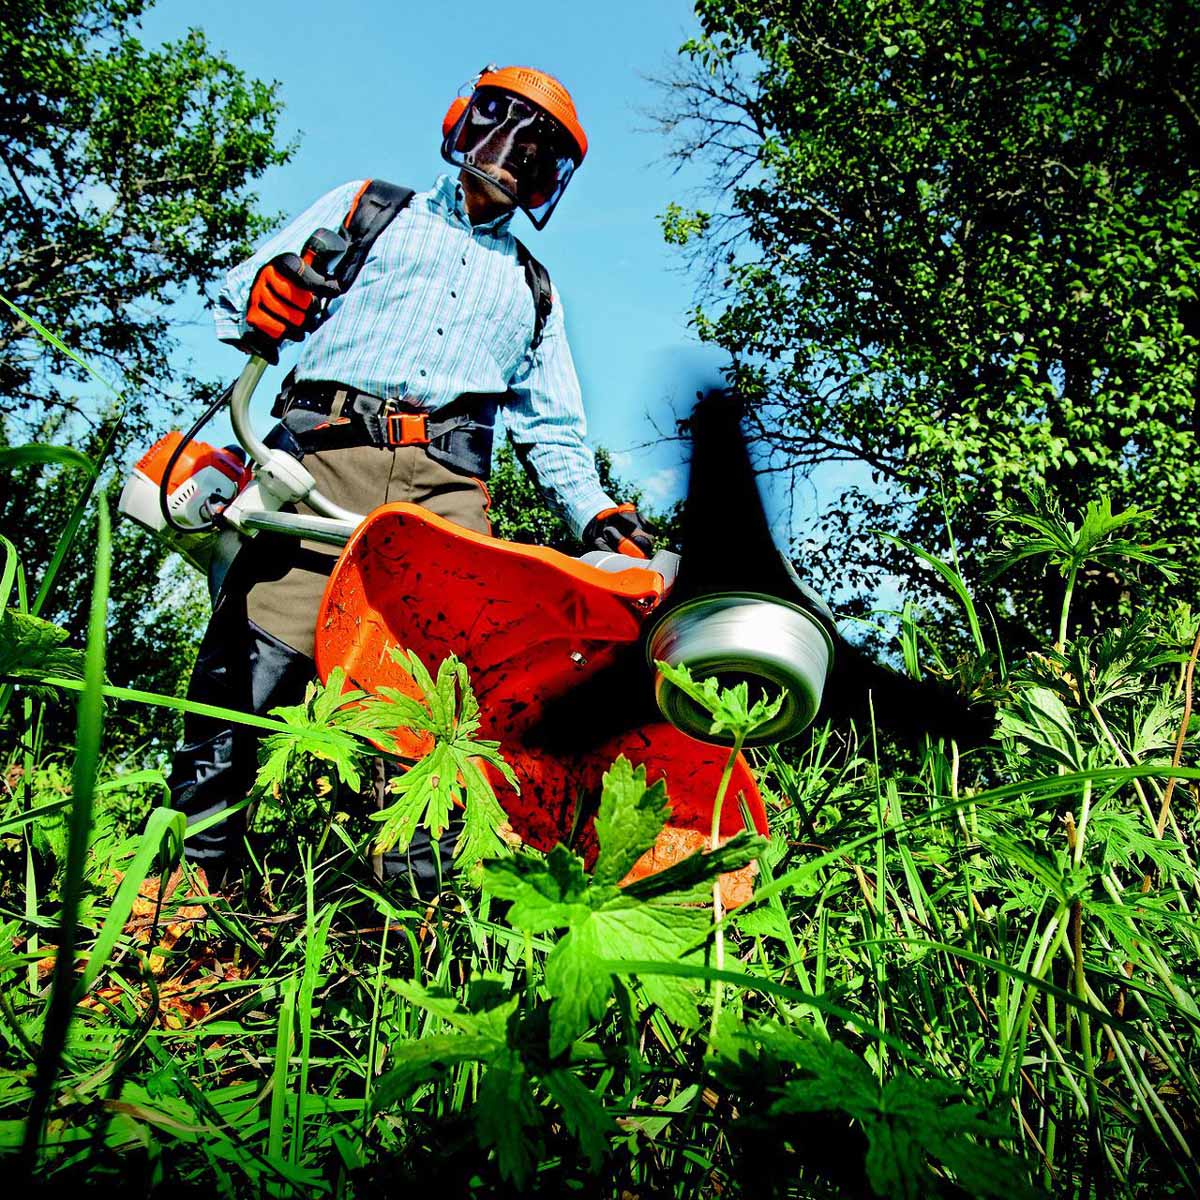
x: 532, y: 625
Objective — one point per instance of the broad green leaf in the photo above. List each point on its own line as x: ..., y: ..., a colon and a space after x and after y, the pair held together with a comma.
x: 332, y: 724
x: 31, y: 650
x: 546, y: 893
x: 630, y: 818
x: 1042, y: 722
x: 580, y: 989
x: 619, y: 929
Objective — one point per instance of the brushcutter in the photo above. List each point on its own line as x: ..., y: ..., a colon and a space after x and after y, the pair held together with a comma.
x: 561, y: 651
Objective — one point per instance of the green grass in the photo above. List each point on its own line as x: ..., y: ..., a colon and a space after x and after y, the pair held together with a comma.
x: 959, y: 974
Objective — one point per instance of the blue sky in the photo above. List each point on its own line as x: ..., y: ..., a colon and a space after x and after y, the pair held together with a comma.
x: 365, y: 86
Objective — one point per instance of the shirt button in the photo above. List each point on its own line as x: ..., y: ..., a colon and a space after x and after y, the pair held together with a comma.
x: 464, y: 262
x: 439, y: 333
x: 422, y: 370
x: 453, y: 295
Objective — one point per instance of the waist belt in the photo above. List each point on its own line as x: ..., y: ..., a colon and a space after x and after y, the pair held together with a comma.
x: 328, y: 416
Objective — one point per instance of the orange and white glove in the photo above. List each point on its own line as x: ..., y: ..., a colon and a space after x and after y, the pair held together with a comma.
x: 620, y: 530
x: 283, y: 304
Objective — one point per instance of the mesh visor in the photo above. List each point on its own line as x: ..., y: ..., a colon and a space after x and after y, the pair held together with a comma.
x: 515, y: 146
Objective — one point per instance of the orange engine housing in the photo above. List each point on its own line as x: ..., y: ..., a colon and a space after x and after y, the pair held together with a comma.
x: 203, y: 479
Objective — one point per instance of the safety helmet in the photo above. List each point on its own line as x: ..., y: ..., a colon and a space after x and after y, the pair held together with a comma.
x: 518, y: 131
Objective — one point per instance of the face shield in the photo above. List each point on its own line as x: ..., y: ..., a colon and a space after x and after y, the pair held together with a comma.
x: 515, y: 146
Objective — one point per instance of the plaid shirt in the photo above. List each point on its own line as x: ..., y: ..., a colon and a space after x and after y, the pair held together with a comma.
x: 441, y: 307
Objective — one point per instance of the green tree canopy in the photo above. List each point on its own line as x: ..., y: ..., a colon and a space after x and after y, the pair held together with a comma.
x: 958, y: 243
x: 125, y: 182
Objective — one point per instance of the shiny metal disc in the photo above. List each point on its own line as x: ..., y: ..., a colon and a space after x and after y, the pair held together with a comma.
x: 771, y: 645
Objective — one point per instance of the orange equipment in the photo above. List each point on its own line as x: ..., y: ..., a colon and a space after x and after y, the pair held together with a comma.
x: 517, y: 131
x: 532, y: 626
x: 179, y: 510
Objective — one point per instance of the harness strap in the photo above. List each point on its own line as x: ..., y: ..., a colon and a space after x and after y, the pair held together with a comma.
x: 538, y: 280
x: 459, y: 436
x: 377, y: 204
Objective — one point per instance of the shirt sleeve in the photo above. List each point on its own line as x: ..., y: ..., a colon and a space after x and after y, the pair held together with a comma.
x: 229, y: 316
x: 544, y: 416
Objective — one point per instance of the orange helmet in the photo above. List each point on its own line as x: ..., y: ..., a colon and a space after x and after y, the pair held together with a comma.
x: 519, y: 132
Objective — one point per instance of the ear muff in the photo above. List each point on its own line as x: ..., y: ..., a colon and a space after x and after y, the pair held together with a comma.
x: 457, y: 107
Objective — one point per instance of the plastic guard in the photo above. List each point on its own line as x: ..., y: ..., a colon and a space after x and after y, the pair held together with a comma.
x: 531, y: 626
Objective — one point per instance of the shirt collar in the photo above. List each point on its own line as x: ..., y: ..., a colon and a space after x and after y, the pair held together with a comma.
x: 448, y: 196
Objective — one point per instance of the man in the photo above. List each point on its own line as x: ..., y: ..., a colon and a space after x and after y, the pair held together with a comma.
x: 394, y: 395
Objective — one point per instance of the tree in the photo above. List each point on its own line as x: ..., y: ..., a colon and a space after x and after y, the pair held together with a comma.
x: 126, y: 180
x: 958, y: 243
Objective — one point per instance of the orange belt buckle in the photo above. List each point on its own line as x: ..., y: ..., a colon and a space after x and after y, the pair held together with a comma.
x: 408, y: 429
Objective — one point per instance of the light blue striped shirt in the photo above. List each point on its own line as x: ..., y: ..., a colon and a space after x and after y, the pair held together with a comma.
x: 441, y: 307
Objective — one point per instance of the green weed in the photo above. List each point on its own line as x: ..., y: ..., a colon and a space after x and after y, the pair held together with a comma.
x: 958, y: 975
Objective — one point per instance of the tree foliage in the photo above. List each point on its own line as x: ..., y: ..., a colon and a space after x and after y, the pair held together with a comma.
x: 957, y: 243
x: 126, y: 177
x: 520, y: 513
x: 125, y: 181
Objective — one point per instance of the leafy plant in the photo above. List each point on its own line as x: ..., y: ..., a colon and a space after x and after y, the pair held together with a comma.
x: 31, y: 649
x: 334, y: 724
x: 1042, y: 530
x: 451, y: 774
x: 923, y: 1137
x: 654, y: 918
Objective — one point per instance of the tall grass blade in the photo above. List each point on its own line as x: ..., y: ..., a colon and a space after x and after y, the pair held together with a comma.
x: 177, y: 704
x: 11, y: 574
x: 38, y: 452
x: 952, y: 577
x: 59, y: 345
x: 89, y: 726
x: 66, y: 539
x: 164, y: 829
x: 279, y: 1076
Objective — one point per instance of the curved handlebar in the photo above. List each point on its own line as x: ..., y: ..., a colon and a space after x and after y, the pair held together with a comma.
x: 239, y: 409
x: 239, y: 416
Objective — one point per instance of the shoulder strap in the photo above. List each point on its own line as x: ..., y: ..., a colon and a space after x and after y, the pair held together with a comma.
x: 538, y: 279
x: 371, y: 212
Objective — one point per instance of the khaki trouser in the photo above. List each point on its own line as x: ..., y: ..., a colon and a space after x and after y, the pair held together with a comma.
x: 285, y: 578
x: 257, y: 652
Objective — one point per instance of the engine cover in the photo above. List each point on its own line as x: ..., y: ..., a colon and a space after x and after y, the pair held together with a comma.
x: 204, y: 479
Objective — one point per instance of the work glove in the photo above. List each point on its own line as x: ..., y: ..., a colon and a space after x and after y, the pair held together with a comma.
x: 619, y: 530
x: 283, y: 304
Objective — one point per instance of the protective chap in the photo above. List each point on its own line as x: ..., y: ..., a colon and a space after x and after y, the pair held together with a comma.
x: 256, y: 652
x: 242, y: 666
